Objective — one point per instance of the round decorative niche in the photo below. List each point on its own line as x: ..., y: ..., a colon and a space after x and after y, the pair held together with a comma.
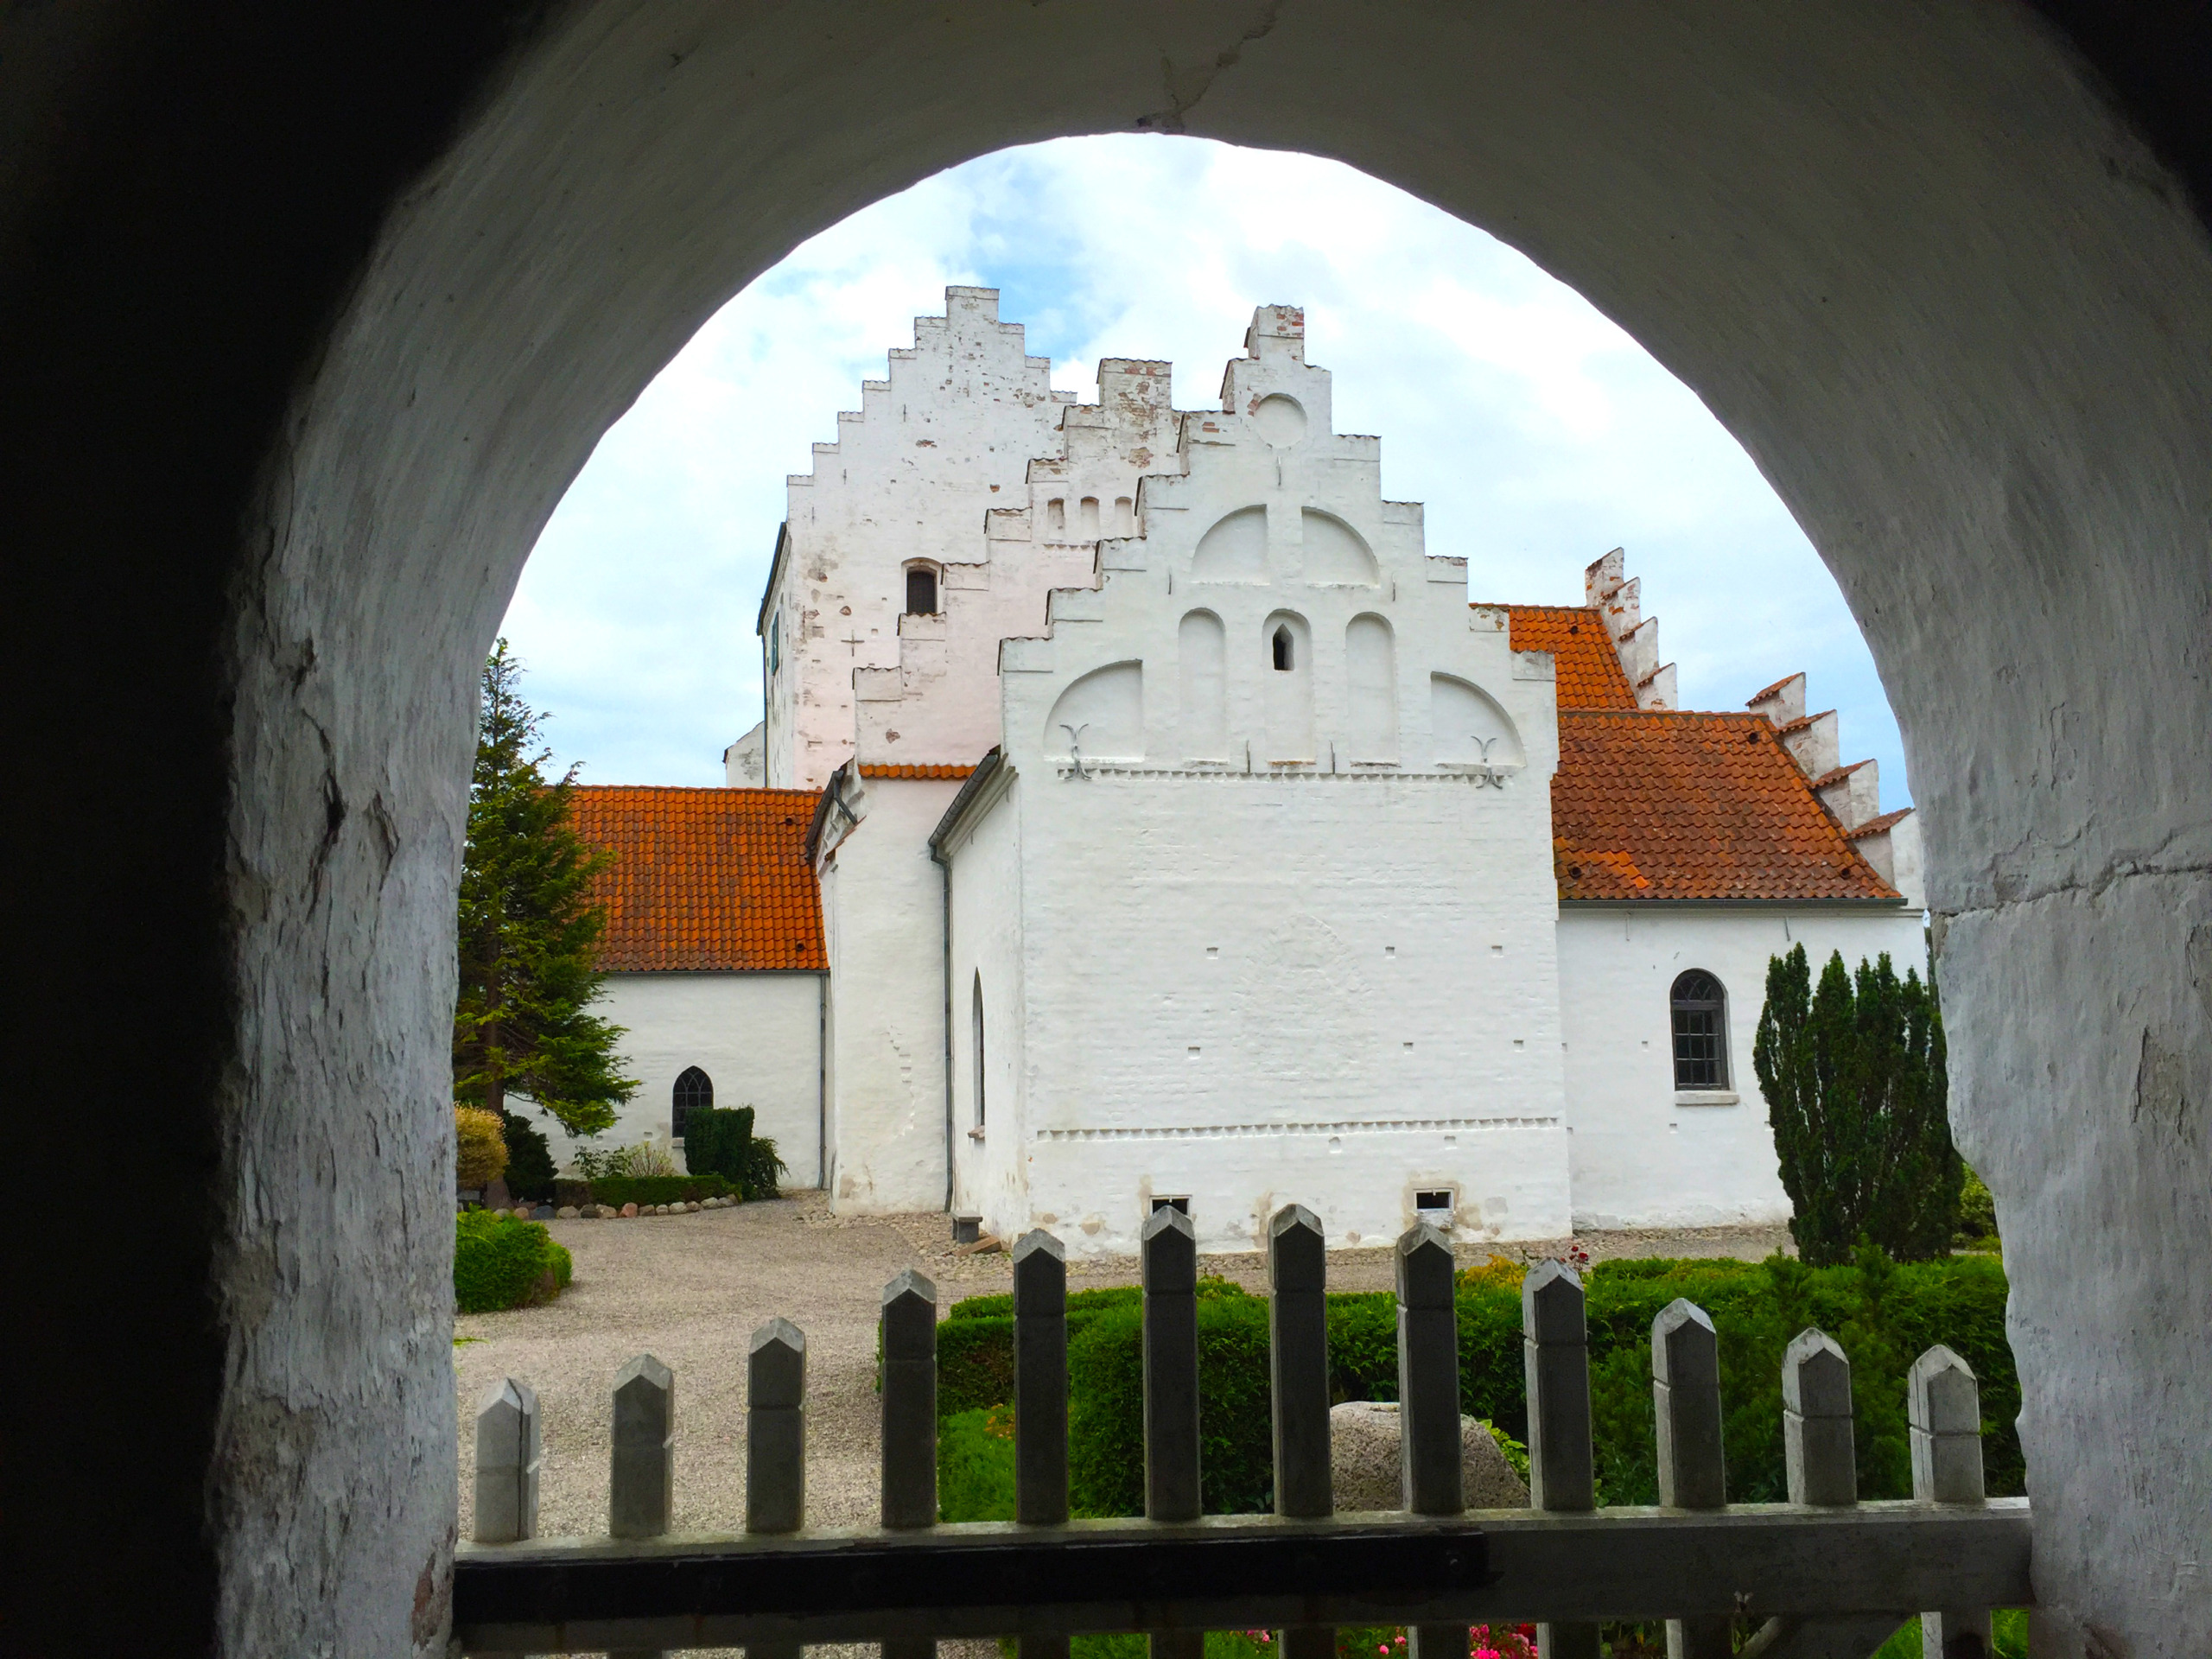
x: 1280, y: 420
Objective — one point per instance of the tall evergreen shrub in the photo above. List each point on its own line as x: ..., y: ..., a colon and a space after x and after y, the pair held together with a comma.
x: 1852, y: 1070
x: 529, y: 931
x: 719, y: 1141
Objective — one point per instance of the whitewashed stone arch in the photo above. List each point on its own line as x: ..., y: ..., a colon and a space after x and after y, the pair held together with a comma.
x: 1235, y: 549
x: 1100, y: 716
x: 1467, y: 728
x: 1334, y: 554
x: 1202, y: 668
x: 1371, y: 687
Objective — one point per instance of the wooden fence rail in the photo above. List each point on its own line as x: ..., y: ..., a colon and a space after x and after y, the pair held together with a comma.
x: 1822, y: 1575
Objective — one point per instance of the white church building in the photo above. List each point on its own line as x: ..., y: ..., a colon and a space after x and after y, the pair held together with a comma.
x: 1181, y: 834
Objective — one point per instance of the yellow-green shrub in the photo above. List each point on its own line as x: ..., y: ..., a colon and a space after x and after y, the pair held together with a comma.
x: 481, y: 1142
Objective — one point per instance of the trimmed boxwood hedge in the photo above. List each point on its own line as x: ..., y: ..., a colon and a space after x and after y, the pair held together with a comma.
x: 642, y: 1189
x: 500, y: 1263
x: 1884, y: 1314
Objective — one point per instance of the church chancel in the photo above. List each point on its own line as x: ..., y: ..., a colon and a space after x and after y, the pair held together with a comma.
x: 1181, y: 834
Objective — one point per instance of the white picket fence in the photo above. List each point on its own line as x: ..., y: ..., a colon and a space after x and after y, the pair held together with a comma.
x: 1821, y: 1575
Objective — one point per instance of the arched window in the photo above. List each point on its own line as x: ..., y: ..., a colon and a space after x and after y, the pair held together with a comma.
x: 921, y: 590
x: 693, y: 1089
x: 1699, y: 1008
x: 1285, y: 650
x: 978, y: 1014
x: 1088, y: 513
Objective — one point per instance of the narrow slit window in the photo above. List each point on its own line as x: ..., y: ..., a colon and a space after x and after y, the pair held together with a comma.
x: 1700, y: 1011
x: 978, y: 1018
x: 921, y: 591
x: 1285, y: 649
x: 693, y: 1089
x: 1437, y: 1201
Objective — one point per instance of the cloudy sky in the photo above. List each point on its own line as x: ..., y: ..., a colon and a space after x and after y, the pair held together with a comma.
x: 1538, y: 432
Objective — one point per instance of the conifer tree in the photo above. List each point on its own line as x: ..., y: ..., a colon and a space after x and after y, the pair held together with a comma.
x: 1852, y: 1070
x: 529, y: 931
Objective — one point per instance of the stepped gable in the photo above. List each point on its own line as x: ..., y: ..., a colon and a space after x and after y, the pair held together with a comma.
x: 1666, y: 805
x: 703, y: 880
x: 1589, y: 669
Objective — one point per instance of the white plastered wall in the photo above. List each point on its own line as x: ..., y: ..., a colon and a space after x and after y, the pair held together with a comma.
x: 1245, y: 982
x: 940, y: 702
x: 944, y: 438
x: 1645, y: 1155
x: 758, y: 1036
x: 990, y: 1168
x: 882, y: 920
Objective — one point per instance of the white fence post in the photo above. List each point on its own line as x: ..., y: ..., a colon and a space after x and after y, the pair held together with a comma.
x: 1431, y: 1457
x: 1171, y: 1490
x: 1555, y: 1354
x: 775, y: 1429
x: 1298, y: 1361
x: 507, y: 1449
x: 1040, y: 1384
x: 641, y: 1477
x: 909, y: 1401
x: 1693, y: 1469
x: 1943, y: 1403
x: 1818, y: 1452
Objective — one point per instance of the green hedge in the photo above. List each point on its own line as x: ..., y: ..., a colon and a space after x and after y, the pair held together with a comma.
x: 642, y: 1189
x: 500, y: 1263
x: 1884, y: 1315
x: 719, y: 1141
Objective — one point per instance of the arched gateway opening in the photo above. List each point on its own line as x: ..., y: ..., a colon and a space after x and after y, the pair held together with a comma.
x: 310, y: 337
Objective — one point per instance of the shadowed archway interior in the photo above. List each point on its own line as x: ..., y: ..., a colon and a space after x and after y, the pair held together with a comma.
x: 312, y: 322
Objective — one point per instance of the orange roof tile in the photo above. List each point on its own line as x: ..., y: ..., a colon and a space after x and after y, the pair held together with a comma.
x: 1761, y: 697
x: 1837, y: 774
x: 1875, y: 826
x: 705, y: 880
x: 1589, y: 669
x: 903, y: 769
x: 1662, y: 805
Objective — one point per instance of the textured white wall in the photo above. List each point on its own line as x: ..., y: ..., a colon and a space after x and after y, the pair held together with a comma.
x: 1331, y: 981
x: 940, y: 703
x: 757, y: 1035
x: 990, y: 1170
x: 882, y: 920
x: 1644, y: 1156
x: 943, y: 438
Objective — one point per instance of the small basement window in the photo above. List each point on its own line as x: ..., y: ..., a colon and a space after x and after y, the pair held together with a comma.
x: 921, y: 590
x: 1437, y: 1201
x: 1181, y: 1205
x: 1285, y: 650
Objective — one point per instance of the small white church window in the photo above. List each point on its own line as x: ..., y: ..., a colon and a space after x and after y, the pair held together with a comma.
x: 1056, y: 514
x: 1088, y: 519
x: 693, y: 1087
x: 1435, y: 1203
x: 1285, y: 650
x: 1700, y: 1008
x: 1181, y: 1204
x: 1125, y: 516
x: 921, y: 590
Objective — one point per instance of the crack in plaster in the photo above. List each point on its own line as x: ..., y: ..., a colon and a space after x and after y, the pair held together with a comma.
x: 1184, y: 87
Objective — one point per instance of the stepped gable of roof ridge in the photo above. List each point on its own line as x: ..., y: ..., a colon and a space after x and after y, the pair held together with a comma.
x: 1662, y: 805
x: 1589, y: 670
x: 1875, y: 826
x: 703, y: 880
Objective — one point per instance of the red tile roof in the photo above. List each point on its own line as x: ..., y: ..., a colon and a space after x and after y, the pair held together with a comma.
x: 1662, y: 805
x: 705, y: 880
x: 902, y: 770
x: 1875, y: 826
x: 1761, y: 697
x: 1589, y: 669
x: 1837, y: 774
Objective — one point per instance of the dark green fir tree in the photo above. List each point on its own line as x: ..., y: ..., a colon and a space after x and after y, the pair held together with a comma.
x: 529, y: 932
x: 1852, y: 1070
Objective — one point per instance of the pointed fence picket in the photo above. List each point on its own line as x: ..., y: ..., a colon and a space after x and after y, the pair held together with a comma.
x: 1818, y: 1575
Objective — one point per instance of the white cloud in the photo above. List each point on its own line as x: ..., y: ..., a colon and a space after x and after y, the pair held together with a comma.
x: 1539, y: 434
